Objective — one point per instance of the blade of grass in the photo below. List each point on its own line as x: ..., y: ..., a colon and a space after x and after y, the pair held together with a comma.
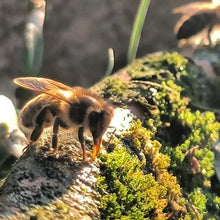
x: 137, y: 29
x: 110, y: 62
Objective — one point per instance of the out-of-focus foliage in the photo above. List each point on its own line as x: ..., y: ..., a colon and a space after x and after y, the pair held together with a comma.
x: 33, y: 33
x: 34, y: 46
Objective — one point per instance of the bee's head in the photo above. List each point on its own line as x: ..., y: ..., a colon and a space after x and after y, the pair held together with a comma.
x: 98, y: 122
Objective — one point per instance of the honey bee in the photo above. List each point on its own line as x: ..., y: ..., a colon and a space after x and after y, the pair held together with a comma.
x: 59, y: 105
x: 197, y: 17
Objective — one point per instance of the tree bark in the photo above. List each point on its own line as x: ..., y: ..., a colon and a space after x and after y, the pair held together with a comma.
x: 51, y: 186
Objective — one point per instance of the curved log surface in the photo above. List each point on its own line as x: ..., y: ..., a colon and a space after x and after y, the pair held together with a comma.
x: 60, y: 181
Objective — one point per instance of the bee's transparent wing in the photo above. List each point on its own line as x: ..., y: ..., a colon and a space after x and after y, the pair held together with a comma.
x: 47, y: 86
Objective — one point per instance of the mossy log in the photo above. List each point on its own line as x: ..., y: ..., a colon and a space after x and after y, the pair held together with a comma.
x: 158, y: 166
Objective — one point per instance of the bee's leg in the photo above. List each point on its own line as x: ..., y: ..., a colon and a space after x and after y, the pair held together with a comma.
x: 55, y: 132
x: 38, y: 127
x: 82, y: 141
x: 27, y: 146
x: 36, y: 133
x: 209, y: 34
x: 113, y: 132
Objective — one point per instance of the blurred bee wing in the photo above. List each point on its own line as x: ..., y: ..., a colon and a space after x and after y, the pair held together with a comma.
x: 47, y: 86
x: 195, y: 24
x: 193, y: 8
x: 180, y: 23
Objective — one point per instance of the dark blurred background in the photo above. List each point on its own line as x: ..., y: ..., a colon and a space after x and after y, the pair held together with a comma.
x: 78, y: 34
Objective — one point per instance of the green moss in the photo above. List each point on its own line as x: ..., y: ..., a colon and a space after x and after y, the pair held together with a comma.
x: 161, y: 65
x: 162, y: 166
x: 198, y: 199
x: 112, y: 88
x: 129, y: 189
x: 56, y: 210
x: 115, y: 86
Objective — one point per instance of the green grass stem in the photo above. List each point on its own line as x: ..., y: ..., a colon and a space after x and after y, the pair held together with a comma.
x: 137, y: 29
